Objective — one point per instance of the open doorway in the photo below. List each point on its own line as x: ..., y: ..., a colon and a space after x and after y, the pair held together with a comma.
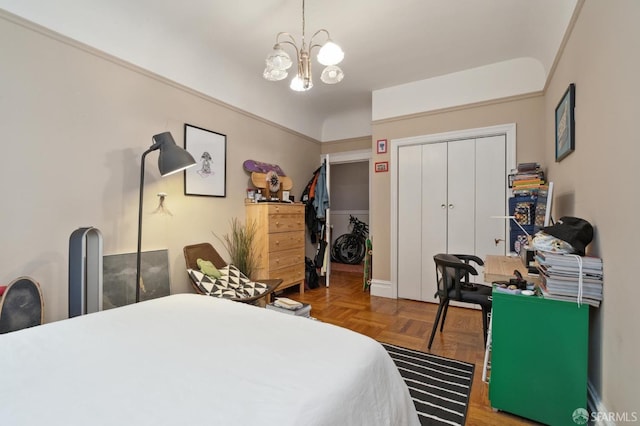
x: 349, y: 194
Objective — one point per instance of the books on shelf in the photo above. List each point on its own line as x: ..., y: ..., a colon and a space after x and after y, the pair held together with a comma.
x: 562, y: 277
x: 527, y: 179
x: 527, y: 167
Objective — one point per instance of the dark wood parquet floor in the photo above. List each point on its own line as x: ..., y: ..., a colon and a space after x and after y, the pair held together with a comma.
x: 408, y: 323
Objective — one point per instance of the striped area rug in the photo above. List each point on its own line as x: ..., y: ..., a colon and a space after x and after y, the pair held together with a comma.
x: 440, y: 387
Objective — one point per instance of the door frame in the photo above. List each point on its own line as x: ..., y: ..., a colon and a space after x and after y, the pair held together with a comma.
x: 508, y: 130
x: 355, y: 156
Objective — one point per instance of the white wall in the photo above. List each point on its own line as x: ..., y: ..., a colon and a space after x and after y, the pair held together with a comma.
x: 495, y: 81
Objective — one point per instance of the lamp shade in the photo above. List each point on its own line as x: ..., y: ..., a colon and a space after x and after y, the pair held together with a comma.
x: 172, y: 158
x: 330, y: 54
x: 332, y: 75
x: 272, y: 74
x: 278, y: 59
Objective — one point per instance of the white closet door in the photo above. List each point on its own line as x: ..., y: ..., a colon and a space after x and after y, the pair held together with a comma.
x: 434, y: 214
x: 447, y: 193
x: 461, y: 180
x: 409, y: 222
x: 491, y: 190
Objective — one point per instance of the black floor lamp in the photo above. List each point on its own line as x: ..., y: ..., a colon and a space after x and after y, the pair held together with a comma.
x: 172, y: 159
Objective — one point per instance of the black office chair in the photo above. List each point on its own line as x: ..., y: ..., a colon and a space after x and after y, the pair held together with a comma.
x: 452, y: 276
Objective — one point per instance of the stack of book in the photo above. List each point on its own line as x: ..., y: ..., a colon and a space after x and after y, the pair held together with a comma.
x: 527, y: 179
x: 559, y: 277
x: 291, y: 307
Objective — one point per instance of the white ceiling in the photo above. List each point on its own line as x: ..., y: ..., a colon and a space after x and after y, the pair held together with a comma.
x: 218, y: 47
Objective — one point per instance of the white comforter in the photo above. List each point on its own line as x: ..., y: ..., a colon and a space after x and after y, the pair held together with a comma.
x: 196, y: 360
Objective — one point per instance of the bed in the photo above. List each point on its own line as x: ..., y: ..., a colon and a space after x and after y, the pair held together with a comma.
x: 193, y: 359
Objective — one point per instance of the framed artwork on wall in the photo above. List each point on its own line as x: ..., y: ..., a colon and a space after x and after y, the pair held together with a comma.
x: 382, y: 166
x: 381, y: 146
x: 565, y: 124
x: 209, y: 149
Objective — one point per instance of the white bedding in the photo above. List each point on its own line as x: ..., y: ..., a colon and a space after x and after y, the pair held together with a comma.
x: 196, y: 360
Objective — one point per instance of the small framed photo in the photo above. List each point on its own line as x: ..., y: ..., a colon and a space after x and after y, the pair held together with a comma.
x: 382, y: 166
x: 209, y: 149
x: 381, y: 146
x: 565, y: 124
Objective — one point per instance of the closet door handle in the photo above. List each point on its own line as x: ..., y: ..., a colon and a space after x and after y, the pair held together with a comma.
x: 443, y: 206
x: 450, y: 206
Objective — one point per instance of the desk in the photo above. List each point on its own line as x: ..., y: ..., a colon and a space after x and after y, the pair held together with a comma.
x: 538, y: 350
x: 500, y: 268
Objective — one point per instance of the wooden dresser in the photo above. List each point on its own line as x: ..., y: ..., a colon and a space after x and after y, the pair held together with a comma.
x: 279, y: 242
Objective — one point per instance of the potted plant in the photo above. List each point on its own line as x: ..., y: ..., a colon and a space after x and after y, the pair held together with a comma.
x: 239, y: 245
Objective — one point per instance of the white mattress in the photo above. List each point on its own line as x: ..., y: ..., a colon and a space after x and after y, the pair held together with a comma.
x: 191, y: 359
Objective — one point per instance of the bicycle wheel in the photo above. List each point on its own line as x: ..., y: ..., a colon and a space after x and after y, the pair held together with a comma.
x: 351, y: 249
x: 336, y: 248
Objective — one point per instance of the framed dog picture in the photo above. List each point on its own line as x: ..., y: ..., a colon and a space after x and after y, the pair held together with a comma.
x: 209, y: 149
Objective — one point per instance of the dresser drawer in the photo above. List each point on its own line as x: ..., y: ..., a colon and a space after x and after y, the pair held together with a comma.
x: 286, y: 240
x: 285, y: 208
x: 289, y: 275
x: 281, y: 259
x: 285, y: 222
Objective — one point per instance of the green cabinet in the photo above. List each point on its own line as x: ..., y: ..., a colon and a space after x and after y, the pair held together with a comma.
x: 539, y: 351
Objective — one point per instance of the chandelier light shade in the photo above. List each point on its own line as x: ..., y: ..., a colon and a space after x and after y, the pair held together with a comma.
x: 278, y: 62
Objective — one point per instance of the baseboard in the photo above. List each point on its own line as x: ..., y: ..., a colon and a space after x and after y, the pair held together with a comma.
x: 382, y: 289
x: 595, y: 405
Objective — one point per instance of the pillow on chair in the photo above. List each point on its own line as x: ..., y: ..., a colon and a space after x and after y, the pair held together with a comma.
x: 244, y: 287
x: 207, y: 267
x: 209, y: 286
x: 232, y: 284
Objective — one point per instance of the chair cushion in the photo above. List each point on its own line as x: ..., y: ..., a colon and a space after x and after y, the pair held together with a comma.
x: 479, y: 296
x: 232, y: 284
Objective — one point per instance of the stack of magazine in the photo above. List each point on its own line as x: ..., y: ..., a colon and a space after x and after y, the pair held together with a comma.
x: 291, y: 307
x: 560, y: 277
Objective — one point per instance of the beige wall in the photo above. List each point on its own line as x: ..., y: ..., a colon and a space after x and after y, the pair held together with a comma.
x: 75, y: 123
x: 350, y: 186
x: 597, y: 181
x: 525, y: 111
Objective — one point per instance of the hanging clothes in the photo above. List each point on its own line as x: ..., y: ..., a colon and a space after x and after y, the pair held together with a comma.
x: 321, y: 199
x: 315, y: 196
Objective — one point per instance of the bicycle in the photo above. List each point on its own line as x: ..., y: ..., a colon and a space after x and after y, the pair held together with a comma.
x: 350, y: 248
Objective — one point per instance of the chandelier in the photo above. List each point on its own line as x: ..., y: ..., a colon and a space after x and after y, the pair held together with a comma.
x: 278, y: 61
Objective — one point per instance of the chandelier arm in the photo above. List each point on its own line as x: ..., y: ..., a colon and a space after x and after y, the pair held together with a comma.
x: 286, y: 34
x: 321, y: 30
x: 295, y: 47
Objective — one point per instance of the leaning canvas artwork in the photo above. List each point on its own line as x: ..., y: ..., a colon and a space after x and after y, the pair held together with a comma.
x: 119, y: 277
